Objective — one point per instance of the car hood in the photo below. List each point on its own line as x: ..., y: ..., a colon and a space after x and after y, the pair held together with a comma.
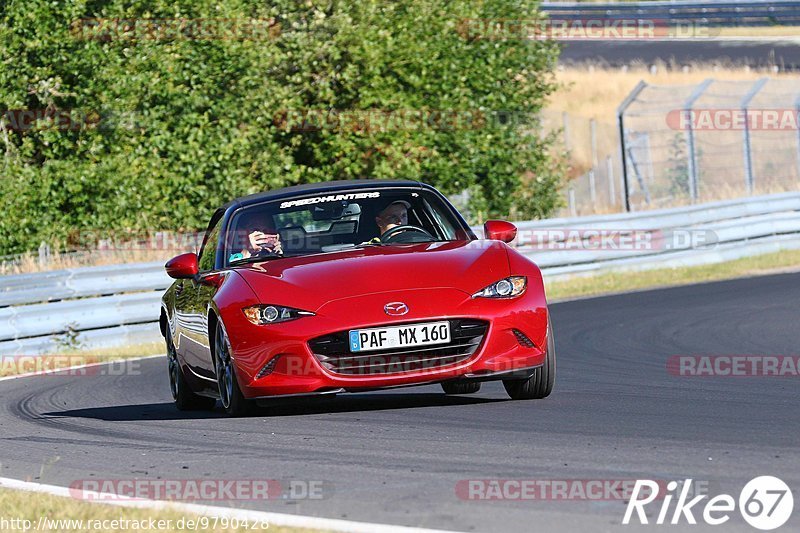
x: 311, y: 281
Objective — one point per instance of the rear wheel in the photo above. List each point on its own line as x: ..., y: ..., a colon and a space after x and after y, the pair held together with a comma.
x: 182, y: 395
x: 455, y: 387
x: 540, y: 384
x: 233, y: 401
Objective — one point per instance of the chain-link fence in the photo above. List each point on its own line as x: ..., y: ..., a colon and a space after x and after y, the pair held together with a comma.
x: 593, y: 147
x: 711, y: 141
x: 685, y: 144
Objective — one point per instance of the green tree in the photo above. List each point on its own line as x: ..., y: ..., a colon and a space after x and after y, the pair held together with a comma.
x: 187, y: 123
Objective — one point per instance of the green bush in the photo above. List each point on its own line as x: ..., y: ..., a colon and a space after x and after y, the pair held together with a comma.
x: 187, y: 124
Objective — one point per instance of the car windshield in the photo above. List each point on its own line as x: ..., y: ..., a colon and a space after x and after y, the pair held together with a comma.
x: 328, y: 222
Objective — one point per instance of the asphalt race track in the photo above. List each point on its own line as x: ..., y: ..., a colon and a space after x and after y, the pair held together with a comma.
x: 395, y: 457
x: 754, y: 53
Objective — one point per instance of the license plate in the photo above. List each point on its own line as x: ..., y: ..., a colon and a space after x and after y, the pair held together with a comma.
x: 363, y: 340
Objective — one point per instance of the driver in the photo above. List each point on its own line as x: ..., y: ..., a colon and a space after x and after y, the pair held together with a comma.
x: 259, y: 238
x: 393, y: 215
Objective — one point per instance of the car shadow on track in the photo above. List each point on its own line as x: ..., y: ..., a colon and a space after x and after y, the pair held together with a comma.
x: 278, y: 407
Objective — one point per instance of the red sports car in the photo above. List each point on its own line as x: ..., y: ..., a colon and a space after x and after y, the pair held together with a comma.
x: 350, y: 286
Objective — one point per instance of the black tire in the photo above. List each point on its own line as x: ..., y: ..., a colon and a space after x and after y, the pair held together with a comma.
x: 182, y: 395
x: 540, y: 384
x: 464, y: 387
x: 233, y: 401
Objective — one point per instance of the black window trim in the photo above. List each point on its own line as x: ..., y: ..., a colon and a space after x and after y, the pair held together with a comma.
x: 232, y: 210
x: 216, y: 218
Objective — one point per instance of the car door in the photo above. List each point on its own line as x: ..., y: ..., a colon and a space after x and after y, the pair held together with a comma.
x: 192, y: 305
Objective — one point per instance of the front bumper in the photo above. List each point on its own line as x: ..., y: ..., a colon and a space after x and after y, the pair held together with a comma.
x: 292, y: 368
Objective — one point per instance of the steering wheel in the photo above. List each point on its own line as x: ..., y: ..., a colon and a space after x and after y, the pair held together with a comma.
x: 397, y: 231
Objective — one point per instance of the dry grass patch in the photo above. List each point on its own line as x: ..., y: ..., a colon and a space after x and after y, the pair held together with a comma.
x: 596, y: 92
x: 783, y: 261
x: 14, y: 365
x: 29, y: 262
x: 68, y: 515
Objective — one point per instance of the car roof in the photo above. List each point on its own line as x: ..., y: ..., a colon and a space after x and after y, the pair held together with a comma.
x: 327, y: 186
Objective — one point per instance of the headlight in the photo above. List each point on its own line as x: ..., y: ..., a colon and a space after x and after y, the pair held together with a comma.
x: 505, y: 288
x: 272, y: 314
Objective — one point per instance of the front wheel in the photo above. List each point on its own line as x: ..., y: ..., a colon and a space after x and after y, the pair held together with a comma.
x: 233, y: 401
x: 182, y: 395
x: 540, y: 384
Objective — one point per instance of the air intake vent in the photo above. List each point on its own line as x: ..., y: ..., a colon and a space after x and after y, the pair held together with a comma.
x: 523, y: 339
x: 268, y: 368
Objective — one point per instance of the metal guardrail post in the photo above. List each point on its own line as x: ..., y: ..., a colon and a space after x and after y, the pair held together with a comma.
x: 797, y: 114
x: 623, y: 138
x: 648, y: 158
x: 690, y: 145
x: 749, y: 178
x: 573, y: 210
x: 639, y: 178
x: 44, y: 254
x: 612, y: 194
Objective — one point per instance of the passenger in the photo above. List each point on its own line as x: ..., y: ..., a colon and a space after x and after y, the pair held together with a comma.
x: 260, y: 238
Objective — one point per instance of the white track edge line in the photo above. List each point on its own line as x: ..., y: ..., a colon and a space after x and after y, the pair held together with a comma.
x: 273, y: 519
x: 278, y: 519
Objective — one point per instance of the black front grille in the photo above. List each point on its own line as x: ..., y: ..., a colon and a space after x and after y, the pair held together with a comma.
x: 333, y: 352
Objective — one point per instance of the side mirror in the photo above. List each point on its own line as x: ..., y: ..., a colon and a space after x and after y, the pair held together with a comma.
x: 182, y: 266
x: 500, y: 230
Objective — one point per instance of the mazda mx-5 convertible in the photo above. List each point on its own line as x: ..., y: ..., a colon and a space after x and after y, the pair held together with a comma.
x: 352, y: 286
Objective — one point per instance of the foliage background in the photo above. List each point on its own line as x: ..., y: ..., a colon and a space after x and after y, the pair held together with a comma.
x: 193, y: 122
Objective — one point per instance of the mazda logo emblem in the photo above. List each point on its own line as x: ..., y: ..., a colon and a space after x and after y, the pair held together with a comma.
x: 395, y: 308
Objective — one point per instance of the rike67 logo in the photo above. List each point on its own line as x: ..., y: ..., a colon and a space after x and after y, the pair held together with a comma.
x: 765, y: 503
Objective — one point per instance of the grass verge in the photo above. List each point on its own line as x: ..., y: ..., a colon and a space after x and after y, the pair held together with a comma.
x: 67, y: 514
x: 783, y: 261
x: 756, y: 31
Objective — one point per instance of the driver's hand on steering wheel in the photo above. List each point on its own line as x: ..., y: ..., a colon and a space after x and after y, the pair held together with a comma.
x: 260, y: 241
x: 390, y: 235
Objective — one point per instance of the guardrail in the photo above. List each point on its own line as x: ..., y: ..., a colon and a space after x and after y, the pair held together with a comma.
x: 707, y: 12
x: 119, y: 305
x: 81, y: 282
